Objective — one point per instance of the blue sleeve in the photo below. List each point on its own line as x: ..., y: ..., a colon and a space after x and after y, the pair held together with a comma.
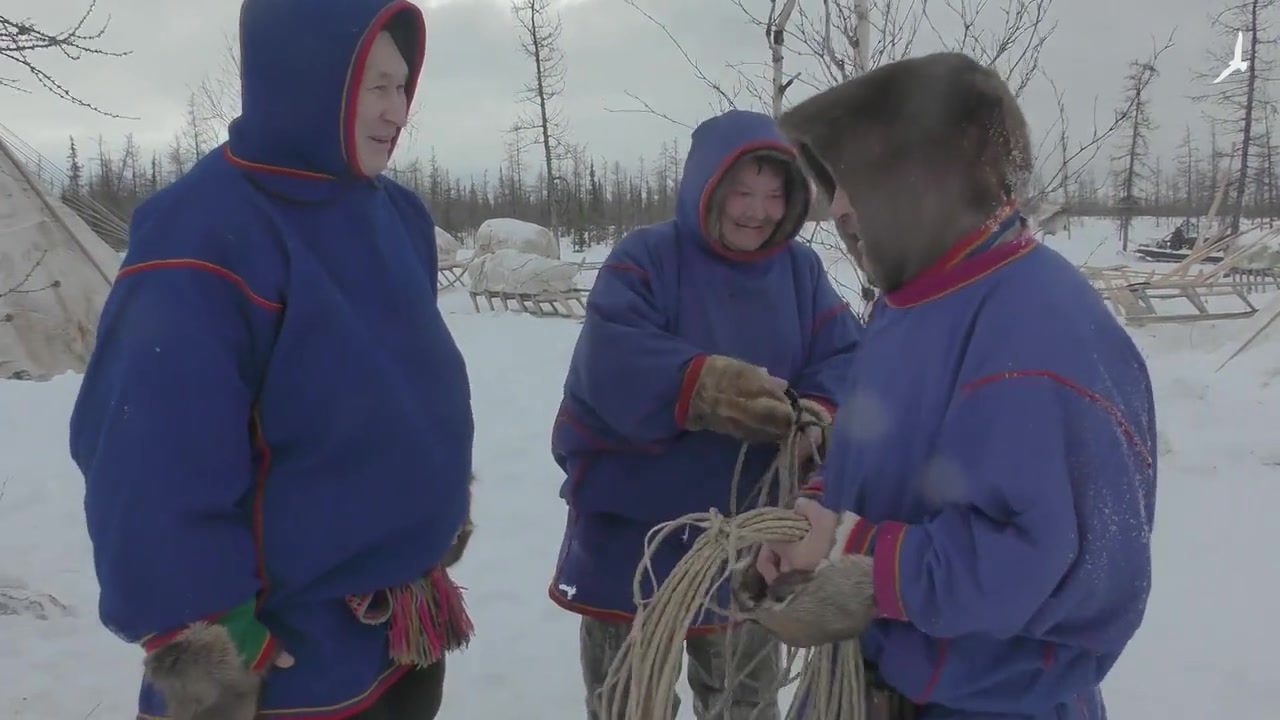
x: 428, y: 229
x: 834, y: 336
x: 1007, y: 533
x: 628, y: 371
x: 162, y: 432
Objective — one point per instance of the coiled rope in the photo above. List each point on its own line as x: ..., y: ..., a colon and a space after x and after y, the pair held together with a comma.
x: 643, y: 676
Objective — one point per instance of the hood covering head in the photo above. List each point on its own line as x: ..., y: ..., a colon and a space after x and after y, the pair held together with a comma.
x: 301, y: 63
x: 926, y: 149
x: 715, y: 146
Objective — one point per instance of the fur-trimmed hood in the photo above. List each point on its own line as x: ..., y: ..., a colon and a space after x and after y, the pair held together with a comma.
x: 925, y: 148
x: 715, y: 146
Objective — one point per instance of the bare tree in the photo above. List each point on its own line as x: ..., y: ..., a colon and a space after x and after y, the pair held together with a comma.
x: 216, y: 100
x: 1237, y: 101
x: 842, y: 43
x: 1188, y: 177
x: 775, y: 32
x: 178, y: 157
x: 75, y: 170
x: 838, y: 43
x: 1135, y: 163
x: 848, y: 37
x: 1266, y: 176
x: 23, y: 42
x: 540, y: 42
x: 1064, y: 152
x: 199, y: 134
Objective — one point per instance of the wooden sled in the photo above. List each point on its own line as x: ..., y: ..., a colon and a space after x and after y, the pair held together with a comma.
x: 1133, y: 293
x: 1138, y: 301
x: 572, y: 304
x: 450, y: 273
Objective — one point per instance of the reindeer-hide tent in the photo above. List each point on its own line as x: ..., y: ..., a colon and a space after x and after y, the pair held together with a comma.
x: 54, y: 277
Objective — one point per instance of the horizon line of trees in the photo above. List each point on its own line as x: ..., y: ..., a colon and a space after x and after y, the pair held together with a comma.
x: 573, y: 191
x: 591, y: 193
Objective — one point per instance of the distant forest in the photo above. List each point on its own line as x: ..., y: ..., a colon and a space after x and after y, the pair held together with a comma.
x: 593, y: 194
x: 548, y: 178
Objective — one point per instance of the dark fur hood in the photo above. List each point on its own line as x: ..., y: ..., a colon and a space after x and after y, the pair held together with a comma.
x: 925, y: 148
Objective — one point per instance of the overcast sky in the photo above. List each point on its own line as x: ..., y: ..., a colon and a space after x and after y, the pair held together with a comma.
x: 474, y: 69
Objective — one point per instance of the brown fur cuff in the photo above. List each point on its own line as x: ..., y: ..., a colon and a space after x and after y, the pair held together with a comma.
x: 201, y: 677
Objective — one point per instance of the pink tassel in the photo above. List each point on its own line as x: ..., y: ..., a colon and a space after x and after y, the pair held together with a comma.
x: 425, y: 619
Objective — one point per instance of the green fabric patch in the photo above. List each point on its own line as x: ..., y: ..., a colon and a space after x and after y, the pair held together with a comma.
x: 248, y: 635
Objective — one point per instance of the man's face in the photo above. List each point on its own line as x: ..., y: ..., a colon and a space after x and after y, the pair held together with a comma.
x: 754, y: 202
x: 382, y: 108
x: 846, y: 221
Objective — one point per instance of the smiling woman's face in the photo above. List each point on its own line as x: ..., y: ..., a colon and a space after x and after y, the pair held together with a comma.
x: 755, y: 201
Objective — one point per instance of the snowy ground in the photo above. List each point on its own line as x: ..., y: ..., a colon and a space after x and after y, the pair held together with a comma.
x: 1206, y: 649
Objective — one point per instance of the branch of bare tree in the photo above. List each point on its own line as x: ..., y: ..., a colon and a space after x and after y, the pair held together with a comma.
x: 725, y: 100
x: 217, y: 97
x: 20, y: 287
x: 837, y: 44
x: 22, y: 41
x: 647, y: 109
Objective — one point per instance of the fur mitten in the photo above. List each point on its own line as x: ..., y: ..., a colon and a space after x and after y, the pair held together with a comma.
x: 834, y: 602
x: 201, y: 675
x: 807, y: 609
x: 740, y: 400
x: 459, y: 546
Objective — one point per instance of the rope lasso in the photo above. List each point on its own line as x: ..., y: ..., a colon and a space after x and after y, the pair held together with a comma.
x: 642, y: 679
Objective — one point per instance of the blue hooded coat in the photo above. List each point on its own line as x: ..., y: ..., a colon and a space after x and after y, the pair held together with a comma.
x: 1006, y: 486
x: 667, y: 296
x: 276, y: 415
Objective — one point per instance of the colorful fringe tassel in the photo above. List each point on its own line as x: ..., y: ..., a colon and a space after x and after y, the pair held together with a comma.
x: 426, y: 618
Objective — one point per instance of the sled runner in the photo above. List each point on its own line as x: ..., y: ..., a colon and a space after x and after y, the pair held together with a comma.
x: 451, y: 272
x: 570, y: 304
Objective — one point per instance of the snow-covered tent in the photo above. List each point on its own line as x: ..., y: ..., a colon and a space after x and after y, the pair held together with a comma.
x: 509, y: 233
x: 447, y: 247
x: 511, y: 271
x: 54, y: 276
